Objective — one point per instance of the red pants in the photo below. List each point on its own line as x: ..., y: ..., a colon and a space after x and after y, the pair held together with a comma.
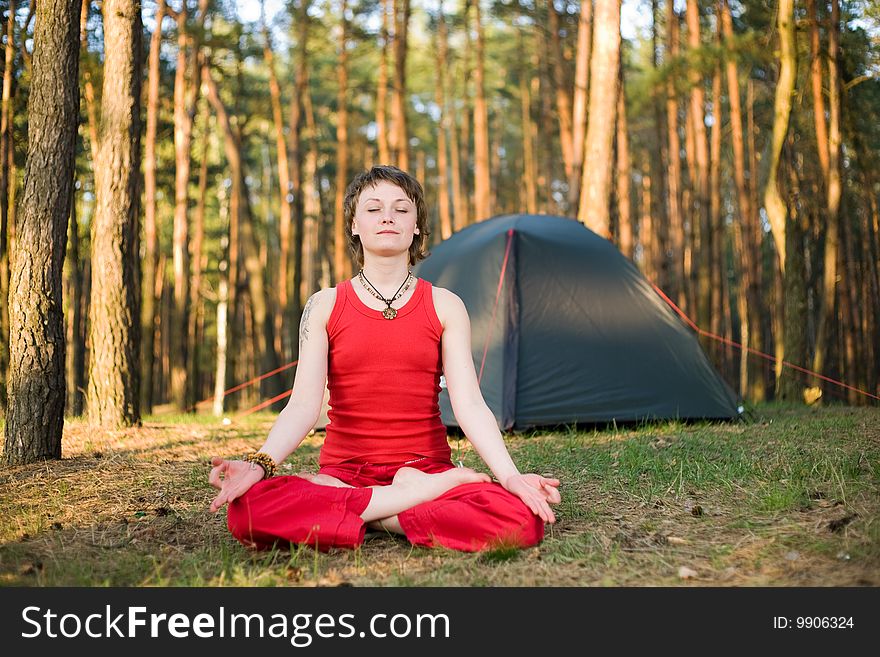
x: 290, y: 509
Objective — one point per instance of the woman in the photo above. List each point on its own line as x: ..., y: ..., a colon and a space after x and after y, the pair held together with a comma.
x: 381, y: 341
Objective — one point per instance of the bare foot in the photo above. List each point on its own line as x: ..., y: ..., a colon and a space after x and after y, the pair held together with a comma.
x: 324, y: 480
x: 438, y: 483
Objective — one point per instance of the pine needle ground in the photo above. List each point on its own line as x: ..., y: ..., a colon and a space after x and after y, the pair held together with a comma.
x: 791, y: 498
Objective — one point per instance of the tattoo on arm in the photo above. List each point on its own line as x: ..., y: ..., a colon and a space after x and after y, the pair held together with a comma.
x: 304, y: 322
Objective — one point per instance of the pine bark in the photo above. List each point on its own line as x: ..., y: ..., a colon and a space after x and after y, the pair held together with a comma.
x: 579, y: 103
x: 832, y: 170
x: 673, y: 166
x: 36, y: 392
x: 114, y: 377
x: 382, y: 91
x: 440, y: 93
x: 341, y: 262
x: 151, y: 229
x: 563, y: 100
x: 180, y: 239
x: 624, y: 206
x: 593, y: 209
x: 749, y: 301
x: 401, y: 131
x: 5, y: 180
x: 482, y: 184
x: 285, y: 192
x: 702, y: 245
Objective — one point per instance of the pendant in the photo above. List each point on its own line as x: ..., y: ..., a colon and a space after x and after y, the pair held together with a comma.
x: 389, y: 313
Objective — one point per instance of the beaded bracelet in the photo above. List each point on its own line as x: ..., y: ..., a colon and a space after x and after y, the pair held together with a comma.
x: 264, y: 461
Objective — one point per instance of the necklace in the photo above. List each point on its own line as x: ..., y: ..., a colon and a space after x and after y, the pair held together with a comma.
x: 389, y: 312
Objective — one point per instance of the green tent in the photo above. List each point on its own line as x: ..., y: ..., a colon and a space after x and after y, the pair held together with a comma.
x: 565, y: 329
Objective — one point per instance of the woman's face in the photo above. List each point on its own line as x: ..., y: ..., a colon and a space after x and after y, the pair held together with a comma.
x: 385, y: 219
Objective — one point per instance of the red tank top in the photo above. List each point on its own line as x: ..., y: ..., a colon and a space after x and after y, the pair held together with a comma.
x: 384, y: 381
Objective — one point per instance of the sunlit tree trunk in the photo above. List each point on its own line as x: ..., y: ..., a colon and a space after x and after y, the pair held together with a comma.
x: 579, y: 104
x: 718, y: 302
x: 593, y: 209
x: 563, y: 100
x: 440, y: 91
x: 774, y: 204
x: 296, y: 171
x: 656, y: 157
x: 180, y: 239
x: 285, y: 193
x: 673, y: 166
x: 197, y: 310
x: 382, y: 91
x: 5, y: 182
x: 401, y: 131
x: 341, y: 262
x: 482, y: 184
x: 151, y: 232
x: 749, y: 302
x: 702, y: 245
x: 113, y: 392
x: 830, y: 151
x: 624, y: 210
x: 528, y: 129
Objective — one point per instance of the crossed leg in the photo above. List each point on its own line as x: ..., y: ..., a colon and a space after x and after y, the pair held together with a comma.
x: 408, y: 488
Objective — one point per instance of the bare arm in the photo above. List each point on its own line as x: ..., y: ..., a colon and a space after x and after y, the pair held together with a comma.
x: 235, y: 478
x: 304, y: 404
x: 477, y: 421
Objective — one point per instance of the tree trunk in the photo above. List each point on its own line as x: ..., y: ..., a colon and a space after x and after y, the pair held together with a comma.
x: 285, y: 195
x: 341, y: 261
x: 718, y: 303
x: 114, y: 377
x: 777, y: 211
x: 596, y: 184
x: 624, y: 210
x: 673, y: 166
x: 563, y: 101
x: 464, y: 216
x: 75, y: 342
x: 401, y: 27
x: 749, y: 302
x: 312, y: 205
x: 180, y: 241
x: 647, y: 236
x: 776, y: 208
x: 196, y: 316
x: 761, y: 320
x: 528, y: 128
x: 36, y: 393
x: 151, y: 233
x: 263, y: 326
x: 702, y: 245
x: 656, y: 157
x: 382, y: 91
x: 5, y: 182
x: 294, y: 278
x: 221, y: 359
x: 833, y: 174
x: 482, y: 185
x: 579, y: 109
x: 440, y: 91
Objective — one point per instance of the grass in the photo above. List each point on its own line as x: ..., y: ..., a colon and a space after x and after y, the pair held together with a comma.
x: 788, y: 499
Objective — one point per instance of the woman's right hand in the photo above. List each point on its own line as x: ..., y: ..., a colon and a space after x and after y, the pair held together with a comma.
x: 233, y: 479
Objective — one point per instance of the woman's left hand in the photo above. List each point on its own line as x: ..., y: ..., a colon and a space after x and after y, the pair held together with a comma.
x: 537, y: 492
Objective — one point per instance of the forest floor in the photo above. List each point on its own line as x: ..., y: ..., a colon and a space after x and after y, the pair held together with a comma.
x: 788, y: 498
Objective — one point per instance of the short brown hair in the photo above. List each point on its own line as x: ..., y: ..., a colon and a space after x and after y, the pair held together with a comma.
x: 411, y: 187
